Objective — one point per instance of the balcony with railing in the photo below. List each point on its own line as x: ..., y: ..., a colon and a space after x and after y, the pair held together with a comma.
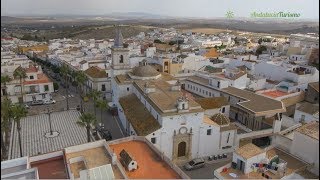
x: 32, y: 91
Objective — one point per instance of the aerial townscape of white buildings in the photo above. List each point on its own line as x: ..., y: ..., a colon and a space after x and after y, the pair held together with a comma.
x: 186, y: 95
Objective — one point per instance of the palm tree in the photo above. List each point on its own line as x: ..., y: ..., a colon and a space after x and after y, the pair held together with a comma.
x: 4, y: 80
x: 86, y: 120
x: 94, y: 94
x: 103, y: 105
x: 5, y: 123
x: 19, y: 111
x: 64, y: 71
x: 21, y: 74
x: 80, y: 78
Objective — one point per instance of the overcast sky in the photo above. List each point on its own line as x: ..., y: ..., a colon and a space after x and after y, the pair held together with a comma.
x: 184, y: 8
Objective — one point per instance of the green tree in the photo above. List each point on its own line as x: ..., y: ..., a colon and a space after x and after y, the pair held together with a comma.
x: 87, y: 120
x: 80, y: 78
x: 172, y: 43
x: 5, y: 123
x: 260, y: 41
x: 21, y: 74
x: 18, y: 112
x: 55, y: 86
x: 102, y: 105
x: 260, y: 49
x: 27, y: 37
x: 157, y: 41
x: 4, y: 80
x: 64, y: 70
x: 94, y: 94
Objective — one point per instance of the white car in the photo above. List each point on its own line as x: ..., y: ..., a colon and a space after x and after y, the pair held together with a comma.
x: 49, y: 101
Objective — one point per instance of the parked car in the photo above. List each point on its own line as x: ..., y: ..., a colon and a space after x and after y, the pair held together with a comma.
x: 49, y: 101
x: 104, y: 133
x: 38, y: 102
x: 194, y: 164
x: 27, y: 106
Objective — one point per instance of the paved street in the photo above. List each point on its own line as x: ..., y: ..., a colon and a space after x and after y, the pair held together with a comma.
x: 108, y: 120
x: 206, y: 172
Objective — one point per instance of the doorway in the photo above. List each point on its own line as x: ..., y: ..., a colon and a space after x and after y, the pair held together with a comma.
x: 182, y: 149
x: 240, y: 165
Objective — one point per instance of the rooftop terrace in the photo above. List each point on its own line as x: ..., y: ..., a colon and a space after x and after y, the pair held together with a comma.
x: 52, y: 168
x: 275, y: 93
x: 93, y: 157
x: 294, y: 165
x: 150, y: 165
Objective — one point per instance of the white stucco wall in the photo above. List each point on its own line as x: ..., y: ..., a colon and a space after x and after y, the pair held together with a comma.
x: 309, y: 154
x: 308, y: 117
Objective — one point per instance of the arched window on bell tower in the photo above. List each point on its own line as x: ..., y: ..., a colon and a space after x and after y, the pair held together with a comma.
x: 121, y: 59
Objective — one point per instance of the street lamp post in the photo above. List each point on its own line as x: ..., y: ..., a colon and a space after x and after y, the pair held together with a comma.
x: 49, y: 113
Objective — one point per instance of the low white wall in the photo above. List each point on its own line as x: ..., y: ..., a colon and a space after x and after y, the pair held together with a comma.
x: 217, y: 172
x: 14, y: 163
x: 85, y: 146
x: 45, y: 156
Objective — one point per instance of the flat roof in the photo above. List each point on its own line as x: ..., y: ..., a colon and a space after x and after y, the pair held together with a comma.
x: 310, y: 129
x: 94, y: 157
x: 249, y: 150
x: 14, y: 165
x: 275, y: 93
x: 52, y: 168
x: 294, y: 165
x: 25, y: 174
x: 150, y: 165
x: 34, y: 128
x: 309, y: 108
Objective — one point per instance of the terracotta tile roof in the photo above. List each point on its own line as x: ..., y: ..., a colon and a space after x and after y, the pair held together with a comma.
x: 212, y: 103
x: 138, y: 116
x: 315, y: 86
x: 31, y: 69
x: 42, y: 78
x: 254, y: 102
x: 248, y: 151
x: 231, y: 126
x: 221, y: 119
x: 275, y: 93
x: 212, y: 53
x: 309, y: 108
x: 96, y: 72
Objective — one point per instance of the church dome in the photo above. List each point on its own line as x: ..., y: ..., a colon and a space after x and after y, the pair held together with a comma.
x: 145, y: 71
x: 221, y: 119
